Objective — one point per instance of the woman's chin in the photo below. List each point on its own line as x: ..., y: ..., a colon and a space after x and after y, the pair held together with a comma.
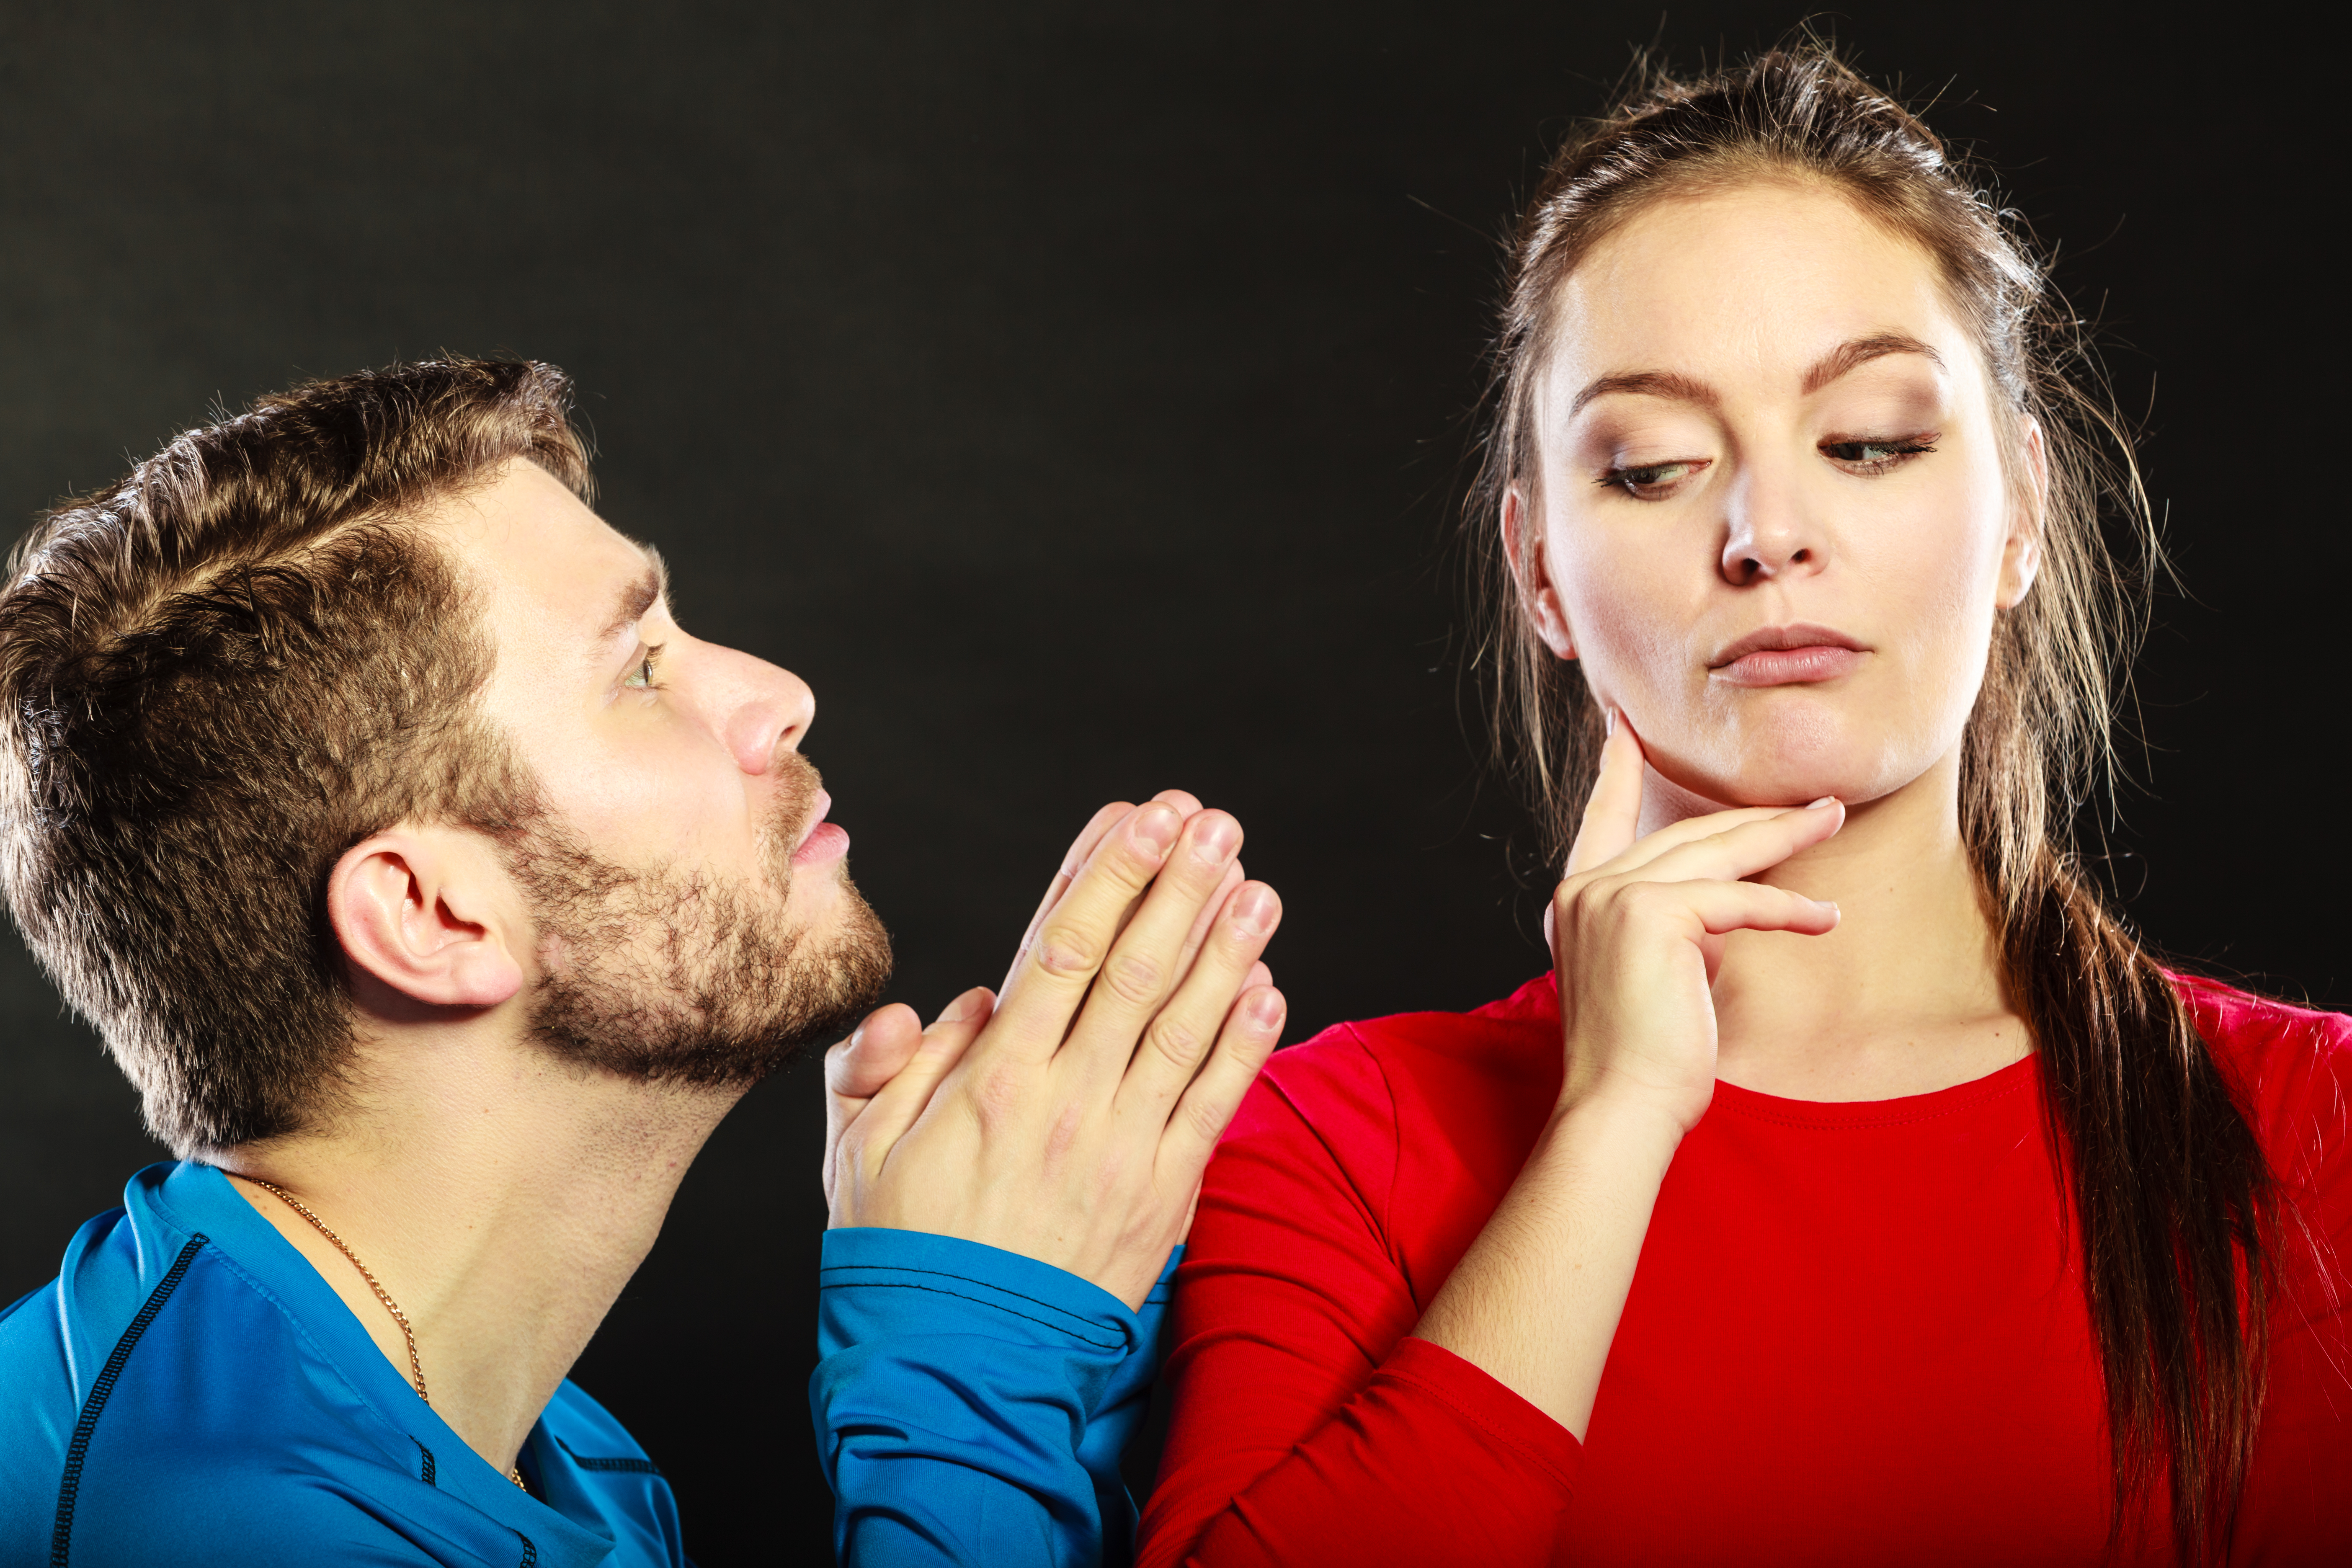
x: 1775, y: 780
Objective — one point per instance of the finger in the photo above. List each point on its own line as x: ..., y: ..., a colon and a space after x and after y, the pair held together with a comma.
x: 1689, y: 830
x: 1180, y: 1035
x: 1051, y: 979
x: 1074, y: 859
x: 1744, y: 848
x: 1252, y: 1029
x: 899, y: 1103
x: 1612, y: 813
x: 1233, y: 877
x: 1081, y: 850
x: 1718, y: 909
x: 1142, y: 972
x: 860, y: 1066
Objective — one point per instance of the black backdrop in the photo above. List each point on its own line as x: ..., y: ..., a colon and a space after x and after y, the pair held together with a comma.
x: 1072, y: 395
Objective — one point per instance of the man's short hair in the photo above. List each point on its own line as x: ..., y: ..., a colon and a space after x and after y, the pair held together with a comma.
x: 220, y: 674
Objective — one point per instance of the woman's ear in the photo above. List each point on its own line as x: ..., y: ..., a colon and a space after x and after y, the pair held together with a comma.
x: 1523, y: 546
x: 426, y: 913
x: 2020, y: 559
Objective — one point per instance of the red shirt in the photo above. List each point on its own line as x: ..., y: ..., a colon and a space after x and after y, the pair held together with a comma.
x: 1856, y: 1333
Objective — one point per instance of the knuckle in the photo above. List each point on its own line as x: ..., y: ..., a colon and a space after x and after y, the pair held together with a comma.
x: 1133, y: 977
x: 1177, y: 1041
x: 1066, y: 952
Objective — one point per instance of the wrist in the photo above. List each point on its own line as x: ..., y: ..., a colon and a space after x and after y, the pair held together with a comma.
x: 1632, y: 1125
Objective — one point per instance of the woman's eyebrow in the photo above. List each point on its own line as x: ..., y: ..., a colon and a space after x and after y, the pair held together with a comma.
x: 1648, y: 384
x: 1855, y: 352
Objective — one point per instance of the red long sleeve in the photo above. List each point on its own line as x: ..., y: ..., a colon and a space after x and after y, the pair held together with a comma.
x: 1856, y: 1333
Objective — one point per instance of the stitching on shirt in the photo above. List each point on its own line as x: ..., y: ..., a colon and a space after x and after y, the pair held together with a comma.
x: 1970, y: 1103
x: 69, y: 1486
x: 428, y: 1461
x: 943, y: 1274
x: 1043, y: 1322
x: 631, y: 1465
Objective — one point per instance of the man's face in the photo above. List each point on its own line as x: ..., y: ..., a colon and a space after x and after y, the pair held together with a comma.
x: 693, y: 919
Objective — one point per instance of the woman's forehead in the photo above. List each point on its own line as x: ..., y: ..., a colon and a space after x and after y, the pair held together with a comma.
x: 1745, y: 286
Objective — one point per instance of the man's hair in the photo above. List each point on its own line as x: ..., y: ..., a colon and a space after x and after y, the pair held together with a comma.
x: 220, y: 674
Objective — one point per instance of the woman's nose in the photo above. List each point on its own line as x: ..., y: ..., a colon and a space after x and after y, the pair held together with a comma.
x: 1770, y: 532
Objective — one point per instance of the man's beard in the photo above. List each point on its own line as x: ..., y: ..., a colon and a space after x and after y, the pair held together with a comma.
x: 692, y: 978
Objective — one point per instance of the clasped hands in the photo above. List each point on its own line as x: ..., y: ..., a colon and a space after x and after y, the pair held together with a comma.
x: 1070, y: 1119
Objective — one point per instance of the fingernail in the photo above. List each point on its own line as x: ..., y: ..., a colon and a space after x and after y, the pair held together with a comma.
x: 1829, y: 904
x: 1266, y: 1009
x: 1825, y: 800
x: 1156, y: 826
x: 1610, y: 728
x: 961, y: 1008
x: 1254, y: 909
x: 1219, y: 837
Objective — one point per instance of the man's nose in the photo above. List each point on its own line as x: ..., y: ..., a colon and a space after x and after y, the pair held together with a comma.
x: 771, y: 710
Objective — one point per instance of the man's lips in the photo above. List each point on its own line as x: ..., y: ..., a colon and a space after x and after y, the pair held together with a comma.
x: 823, y: 840
x: 1787, y: 656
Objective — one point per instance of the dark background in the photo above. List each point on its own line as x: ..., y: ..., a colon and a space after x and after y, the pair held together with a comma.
x: 1074, y: 396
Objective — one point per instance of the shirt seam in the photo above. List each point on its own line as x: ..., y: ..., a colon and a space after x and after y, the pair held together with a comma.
x: 1037, y: 1301
x: 978, y: 1301
x: 1876, y: 1124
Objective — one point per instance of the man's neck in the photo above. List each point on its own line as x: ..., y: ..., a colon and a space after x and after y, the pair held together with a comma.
x: 501, y: 1197
x: 1904, y: 997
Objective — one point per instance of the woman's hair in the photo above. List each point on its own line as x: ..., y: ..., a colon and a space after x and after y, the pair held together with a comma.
x: 2170, y: 1195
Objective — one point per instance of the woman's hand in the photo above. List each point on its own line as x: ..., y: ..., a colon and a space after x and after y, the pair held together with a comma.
x: 1071, y: 1122
x: 1637, y: 929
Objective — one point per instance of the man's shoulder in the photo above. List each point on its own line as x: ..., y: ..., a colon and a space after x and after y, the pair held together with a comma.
x: 166, y: 1401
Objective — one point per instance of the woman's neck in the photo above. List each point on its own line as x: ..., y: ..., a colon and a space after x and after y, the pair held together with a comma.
x: 1904, y: 997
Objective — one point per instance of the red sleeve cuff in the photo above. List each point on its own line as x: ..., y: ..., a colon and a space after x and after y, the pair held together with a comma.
x: 1474, y: 1394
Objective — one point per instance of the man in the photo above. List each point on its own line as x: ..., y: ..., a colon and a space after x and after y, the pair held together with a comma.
x: 440, y: 895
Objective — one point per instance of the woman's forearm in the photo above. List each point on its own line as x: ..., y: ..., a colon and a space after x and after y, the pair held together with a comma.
x: 1535, y: 1302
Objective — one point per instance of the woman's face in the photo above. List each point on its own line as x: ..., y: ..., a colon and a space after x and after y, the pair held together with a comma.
x: 1772, y: 518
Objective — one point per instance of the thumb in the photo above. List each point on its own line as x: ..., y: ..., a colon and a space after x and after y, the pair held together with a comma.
x: 1613, y: 815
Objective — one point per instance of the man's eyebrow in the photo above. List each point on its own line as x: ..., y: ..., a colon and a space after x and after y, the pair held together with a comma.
x: 640, y: 595
x: 1649, y: 383
x: 1856, y: 352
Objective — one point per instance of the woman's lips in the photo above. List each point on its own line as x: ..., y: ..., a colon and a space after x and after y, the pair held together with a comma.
x: 1787, y: 656
x: 824, y: 840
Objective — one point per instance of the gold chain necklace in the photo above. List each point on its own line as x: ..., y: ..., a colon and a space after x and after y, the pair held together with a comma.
x: 415, y: 1367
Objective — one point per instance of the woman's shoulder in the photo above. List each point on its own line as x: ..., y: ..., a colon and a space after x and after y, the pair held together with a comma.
x: 1410, y: 1066
x: 2291, y: 1066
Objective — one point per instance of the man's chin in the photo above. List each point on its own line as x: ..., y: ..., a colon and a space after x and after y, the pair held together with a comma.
x: 741, y: 1022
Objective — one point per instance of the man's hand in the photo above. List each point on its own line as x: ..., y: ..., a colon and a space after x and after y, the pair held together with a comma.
x: 1071, y: 1120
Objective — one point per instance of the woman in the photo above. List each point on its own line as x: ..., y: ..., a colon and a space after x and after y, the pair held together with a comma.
x: 1964, y: 1232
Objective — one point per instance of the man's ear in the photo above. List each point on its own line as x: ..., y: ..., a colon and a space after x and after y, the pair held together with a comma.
x: 426, y: 913
x: 1523, y: 546
x: 2020, y: 557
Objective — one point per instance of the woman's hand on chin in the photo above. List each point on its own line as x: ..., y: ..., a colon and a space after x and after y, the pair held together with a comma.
x: 1637, y: 929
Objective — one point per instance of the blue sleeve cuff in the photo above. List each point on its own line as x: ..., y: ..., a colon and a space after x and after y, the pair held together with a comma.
x: 971, y: 1404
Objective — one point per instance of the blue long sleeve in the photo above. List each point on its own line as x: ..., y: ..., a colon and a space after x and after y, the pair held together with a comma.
x: 971, y: 1404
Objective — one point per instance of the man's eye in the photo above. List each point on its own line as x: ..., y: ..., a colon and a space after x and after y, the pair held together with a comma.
x: 1651, y: 480
x: 1875, y: 457
x: 641, y: 677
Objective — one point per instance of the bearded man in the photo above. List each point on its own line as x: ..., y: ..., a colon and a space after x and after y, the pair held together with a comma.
x: 440, y: 895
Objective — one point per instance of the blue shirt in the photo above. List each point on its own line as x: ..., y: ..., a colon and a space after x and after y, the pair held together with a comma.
x: 971, y: 1404
x: 190, y: 1391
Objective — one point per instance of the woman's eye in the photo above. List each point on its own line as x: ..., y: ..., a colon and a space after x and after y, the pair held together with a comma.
x: 1651, y: 480
x: 1875, y: 457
